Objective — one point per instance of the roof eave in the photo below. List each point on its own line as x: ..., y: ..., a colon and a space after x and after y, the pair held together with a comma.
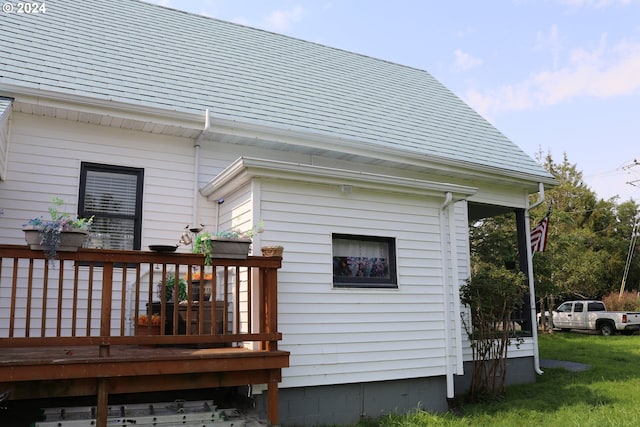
x: 317, y: 141
x: 244, y: 169
x: 56, y: 99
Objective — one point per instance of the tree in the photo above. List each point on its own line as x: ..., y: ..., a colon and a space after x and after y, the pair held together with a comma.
x: 574, y: 264
x: 588, y: 240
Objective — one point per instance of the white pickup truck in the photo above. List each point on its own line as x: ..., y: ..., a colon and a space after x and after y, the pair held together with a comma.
x: 592, y: 315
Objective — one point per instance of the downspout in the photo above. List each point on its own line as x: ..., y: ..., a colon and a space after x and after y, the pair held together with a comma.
x: 532, y: 296
x: 456, y: 292
x: 196, y: 169
x: 446, y: 284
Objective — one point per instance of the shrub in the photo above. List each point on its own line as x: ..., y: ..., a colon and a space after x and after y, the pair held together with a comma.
x: 628, y: 301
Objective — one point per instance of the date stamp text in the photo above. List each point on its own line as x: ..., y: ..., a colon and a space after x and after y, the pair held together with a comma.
x: 26, y: 8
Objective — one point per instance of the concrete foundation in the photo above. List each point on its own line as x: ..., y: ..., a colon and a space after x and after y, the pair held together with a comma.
x: 349, y: 403
x: 343, y: 404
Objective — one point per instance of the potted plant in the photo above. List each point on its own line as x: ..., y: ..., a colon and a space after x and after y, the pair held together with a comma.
x: 170, y: 285
x: 146, y: 326
x: 225, y: 244
x: 62, y: 232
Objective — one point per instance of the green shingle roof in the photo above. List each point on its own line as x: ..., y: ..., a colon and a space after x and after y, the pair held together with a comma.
x: 139, y: 53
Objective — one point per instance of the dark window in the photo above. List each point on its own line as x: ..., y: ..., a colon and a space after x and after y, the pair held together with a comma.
x: 595, y: 306
x: 364, y: 261
x: 578, y: 307
x: 113, y: 196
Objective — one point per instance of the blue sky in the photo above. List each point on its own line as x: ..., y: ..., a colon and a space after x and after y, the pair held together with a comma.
x: 559, y: 76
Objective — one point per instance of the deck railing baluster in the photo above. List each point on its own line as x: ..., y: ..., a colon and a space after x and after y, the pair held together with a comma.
x: 45, y: 298
x: 59, y: 299
x: 27, y: 320
x: 89, y: 298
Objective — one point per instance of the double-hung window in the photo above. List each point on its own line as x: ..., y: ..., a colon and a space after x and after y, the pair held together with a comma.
x: 113, y: 196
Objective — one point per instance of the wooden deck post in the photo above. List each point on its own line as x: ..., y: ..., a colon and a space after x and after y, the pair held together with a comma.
x: 273, y: 403
x: 270, y: 298
x: 107, y: 289
x: 102, y: 405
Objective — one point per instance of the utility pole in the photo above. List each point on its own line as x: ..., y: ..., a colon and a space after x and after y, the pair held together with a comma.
x: 635, y: 182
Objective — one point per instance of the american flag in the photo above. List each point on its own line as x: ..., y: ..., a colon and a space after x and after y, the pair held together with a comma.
x: 539, y: 235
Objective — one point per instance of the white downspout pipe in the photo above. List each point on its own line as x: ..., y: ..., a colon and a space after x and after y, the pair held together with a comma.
x: 446, y: 285
x: 196, y: 169
x: 455, y: 277
x: 532, y: 296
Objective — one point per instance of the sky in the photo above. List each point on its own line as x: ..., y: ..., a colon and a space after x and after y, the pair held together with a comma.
x: 559, y: 77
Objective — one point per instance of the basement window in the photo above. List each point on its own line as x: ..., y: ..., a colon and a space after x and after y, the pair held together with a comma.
x: 364, y: 261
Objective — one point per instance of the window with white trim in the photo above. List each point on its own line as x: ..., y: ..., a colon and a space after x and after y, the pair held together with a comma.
x: 364, y: 261
x: 113, y: 196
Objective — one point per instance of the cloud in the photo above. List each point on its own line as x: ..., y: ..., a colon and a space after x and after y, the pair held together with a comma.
x: 601, y: 72
x: 281, y: 20
x: 465, y: 61
x: 552, y: 42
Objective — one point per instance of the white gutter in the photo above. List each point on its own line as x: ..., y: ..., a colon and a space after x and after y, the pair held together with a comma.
x: 244, y: 169
x: 532, y: 296
x: 319, y: 141
x: 444, y: 211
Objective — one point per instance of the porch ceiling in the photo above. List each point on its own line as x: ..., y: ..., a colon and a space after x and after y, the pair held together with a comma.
x: 478, y: 211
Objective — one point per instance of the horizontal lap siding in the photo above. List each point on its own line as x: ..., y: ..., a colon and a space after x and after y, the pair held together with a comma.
x: 350, y: 335
x: 45, y: 157
x: 44, y: 160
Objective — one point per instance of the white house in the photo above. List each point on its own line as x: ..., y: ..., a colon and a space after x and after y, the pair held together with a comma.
x: 366, y: 171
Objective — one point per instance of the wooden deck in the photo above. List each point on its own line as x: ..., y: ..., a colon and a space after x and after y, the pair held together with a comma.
x: 69, y: 328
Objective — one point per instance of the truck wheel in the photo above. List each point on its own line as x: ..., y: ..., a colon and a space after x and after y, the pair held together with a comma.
x: 606, y: 329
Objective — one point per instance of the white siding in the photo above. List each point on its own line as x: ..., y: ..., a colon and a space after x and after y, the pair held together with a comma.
x: 45, y: 160
x: 46, y: 155
x: 334, y: 335
x: 350, y: 335
x: 500, y: 195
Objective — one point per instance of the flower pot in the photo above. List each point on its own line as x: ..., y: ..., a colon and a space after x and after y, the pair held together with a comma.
x: 70, y: 240
x: 143, y: 330
x: 272, y: 251
x: 222, y: 247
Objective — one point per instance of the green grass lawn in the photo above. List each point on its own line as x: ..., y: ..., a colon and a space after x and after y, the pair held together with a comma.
x: 607, y: 394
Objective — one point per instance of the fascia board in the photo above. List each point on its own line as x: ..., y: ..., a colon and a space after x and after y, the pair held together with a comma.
x: 245, y: 169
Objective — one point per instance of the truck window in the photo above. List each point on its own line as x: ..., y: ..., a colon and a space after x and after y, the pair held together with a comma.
x: 577, y: 307
x: 595, y: 306
x: 565, y: 307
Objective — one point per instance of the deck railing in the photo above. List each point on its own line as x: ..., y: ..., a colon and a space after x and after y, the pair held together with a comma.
x: 101, y: 297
